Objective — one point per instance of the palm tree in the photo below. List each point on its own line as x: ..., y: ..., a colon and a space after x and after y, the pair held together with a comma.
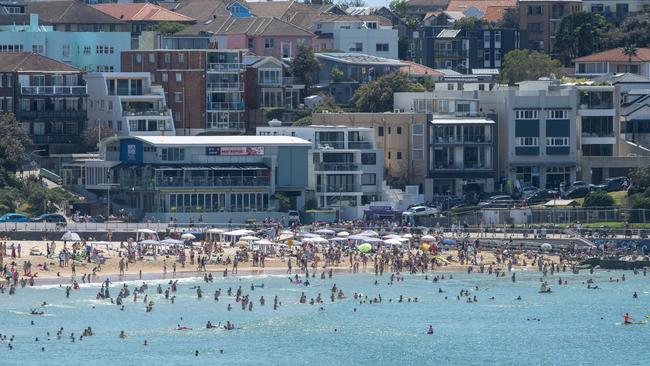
x: 630, y: 51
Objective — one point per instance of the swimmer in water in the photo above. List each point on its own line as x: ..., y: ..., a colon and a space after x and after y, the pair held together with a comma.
x: 430, y: 331
x: 122, y: 335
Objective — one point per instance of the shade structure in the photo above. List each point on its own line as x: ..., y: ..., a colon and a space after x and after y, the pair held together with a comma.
x: 264, y: 242
x: 365, y: 248
x: 393, y: 241
x: 370, y: 233
x: 70, y: 236
x: 448, y: 241
x: 546, y: 246
x: 149, y: 242
x: 147, y: 231
x: 315, y: 240
x: 249, y: 238
x: 343, y: 234
x: 285, y: 237
x: 188, y: 236
x: 215, y: 231
x: 373, y: 240
x: 338, y: 240
x: 427, y: 238
x: 357, y: 237
x: 391, y: 236
x: 240, y: 232
x: 325, y: 232
x: 170, y: 241
x: 408, y: 236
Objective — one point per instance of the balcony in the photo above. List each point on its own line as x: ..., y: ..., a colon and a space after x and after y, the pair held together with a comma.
x: 225, y: 67
x: 225, y: 106
x: 459, y: 166
x: 54, y: 139
x: 359, y: 145
x: 161, y: 182
x: 53, y: 90
x: 146, y: 112
x: 477, y: 139
x: 22, y: 114
x: 337, y: 167
x: 451, y: 53
x: 339, y: 145
x: 337, y: 188
x: 226, y: 87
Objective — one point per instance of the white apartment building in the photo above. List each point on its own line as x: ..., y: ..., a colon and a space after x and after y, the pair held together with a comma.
x: 128, y: 103
x: 350, y: 34
x: 346, y: 170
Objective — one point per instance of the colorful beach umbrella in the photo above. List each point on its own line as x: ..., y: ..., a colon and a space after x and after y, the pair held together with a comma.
x: 365, y: 248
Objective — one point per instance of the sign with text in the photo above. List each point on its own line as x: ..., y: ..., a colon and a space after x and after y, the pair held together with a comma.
x: 234, y: 150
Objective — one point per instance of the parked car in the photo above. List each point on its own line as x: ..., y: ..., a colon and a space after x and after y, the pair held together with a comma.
x: 502, y: 201
x: 419, y: 211
x: 577, y: 192
x: 541, y: 196
x: 615, y: 184
x: 579, y: 184
x: 14, y: 217
x: 294, y: 217
x: 50, y: 218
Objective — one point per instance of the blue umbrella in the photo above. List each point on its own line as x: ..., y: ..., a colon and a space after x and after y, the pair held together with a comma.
x: 448, y: 241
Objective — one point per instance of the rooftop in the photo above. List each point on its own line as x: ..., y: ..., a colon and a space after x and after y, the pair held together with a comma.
x: 142, y: 12
x: 252, y: 26
x: 223, y: 140
x: 359, y: 58
x: 462, y: 121
x: 480, y: 5
x: 68, y: 12
x: 616, y: 55
x: 416, y: 69
x: 449, y: 33
x: 28, y: 62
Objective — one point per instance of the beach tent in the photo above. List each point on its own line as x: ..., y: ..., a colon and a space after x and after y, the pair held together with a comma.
x: 249, y: 238
x: 146, y: 234
x: 214, y: 234
x: 70, y: 236
x: 149, y: 242
x: 188, y: 236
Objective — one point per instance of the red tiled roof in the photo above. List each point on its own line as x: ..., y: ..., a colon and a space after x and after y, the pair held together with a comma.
x: 616, y: 55
x: 495, y: 13
x: 417, y: 69
x: 142, y: 12
x: 27, y: 61
x: 482, y: 5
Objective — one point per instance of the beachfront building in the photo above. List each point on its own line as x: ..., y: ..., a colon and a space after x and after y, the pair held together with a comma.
x: 204, y: 88
x: 345, y: 168
x: 614, y: 11
x: 48, y: 97
x: 128, y: 104
x: 541, y: 20
x: 613, y: 61
x: 374, y: 36
x: 85, y: 50
x: 216, y: 178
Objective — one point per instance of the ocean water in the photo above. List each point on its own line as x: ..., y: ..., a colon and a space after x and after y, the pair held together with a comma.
x: 577, y: 326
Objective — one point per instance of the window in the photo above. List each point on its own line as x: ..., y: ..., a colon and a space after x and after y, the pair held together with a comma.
x: 105, y: 68
x: 138, y: 58
x: 527, y: 114
x: 178, y: 97
x: 357, y: 47
x: 368, y: 159
x: 557, y: 141
x: 152, y: 58
x: 497, y: 39
x: 486, y: 39
x: 381, y: 47
x: 179, y: 77
x: 173, y: 154
x: 399, y: 130
x: 179, y: 116
x: 181, y: 58
x: 250, y: 43
x: 557, y: 114
x: 389, y: 155
x: 165, y: 77
x: 399, y: 155
x: 527, y: 141
x: 269, y: 77
x: 497, y: 58
x: 369, y: 179
x: 592, y: 68
x: 37, y: 48
x: 371, y: 25
x: 380, y: 131
x: 65, y: 50
x: 168, y: 58
x: 535, y: 10
x: 11, y: 48
x: 104, y: 50
x: 268, y: 43
x: 536, y: 27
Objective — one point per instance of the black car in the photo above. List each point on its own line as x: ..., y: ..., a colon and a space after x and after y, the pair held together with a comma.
x: 577, y: 192
x: 50, y: 218
x: 541, y: 196
x: 616, y: 184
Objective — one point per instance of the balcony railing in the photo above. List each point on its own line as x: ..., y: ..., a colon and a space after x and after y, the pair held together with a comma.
x: 337, y: 167
x: 359, y: 145
x: 53, y: 90
x: 145, y: 112
x: 225, y: 86
x: 337, y: 188
x: 50, y: 114
x: 226, y: 106
x: 450, y: 53
x: 54, y: 139
x: 225, y: 67
x: 461, y: 167
x: 226, y: 126
x: 331, y: 144
x: 212, y: 181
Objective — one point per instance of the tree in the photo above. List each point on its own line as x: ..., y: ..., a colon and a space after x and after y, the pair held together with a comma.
x: 14, y: 143
x: 634, y: 29
x: 579, y: 34
x: 510, y: 19
x: 91, y: 136
x: 471, y: 23
x: 344, y: 4
x: 402, y: 8
x: 305, y: 65
x: 522, y: 65
x: 377, y: 95
x: 336, y: 74
x: 630, y: 51
x: 170, y: 27
x: 598, y: 198
x: 640, y: 179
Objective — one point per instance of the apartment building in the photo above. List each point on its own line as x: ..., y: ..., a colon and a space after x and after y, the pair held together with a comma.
x: 613, y: 61
x: 129, y: 104
x: 541, y: 19
x: 373, y: 36
x: 48, y: 97
x: 614, y: 11
x: 204, y: 88
x: 345, y: 168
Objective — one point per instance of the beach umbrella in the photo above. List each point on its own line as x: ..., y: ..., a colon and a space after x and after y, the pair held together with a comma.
x: 70, y: 236
x: 249, y: 238
x: 170, y: 241
x: 149, y: 242
x: 357, y: 237
x: 448, y: 241
x: 338, y: 240
x: 546, y: 247
x: 427, y: 238
x: 286, y: 237
x: 393, y: 241
x: 408, y: 236
x: 371, y: 233
x: 264, y: 242
x: 147, y: 231
x: 390, y: 236
x: 188, y: 236
x: 365, y: 248
x: 215, y: 231
x: 325, y: 232
x: 343, y: 234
